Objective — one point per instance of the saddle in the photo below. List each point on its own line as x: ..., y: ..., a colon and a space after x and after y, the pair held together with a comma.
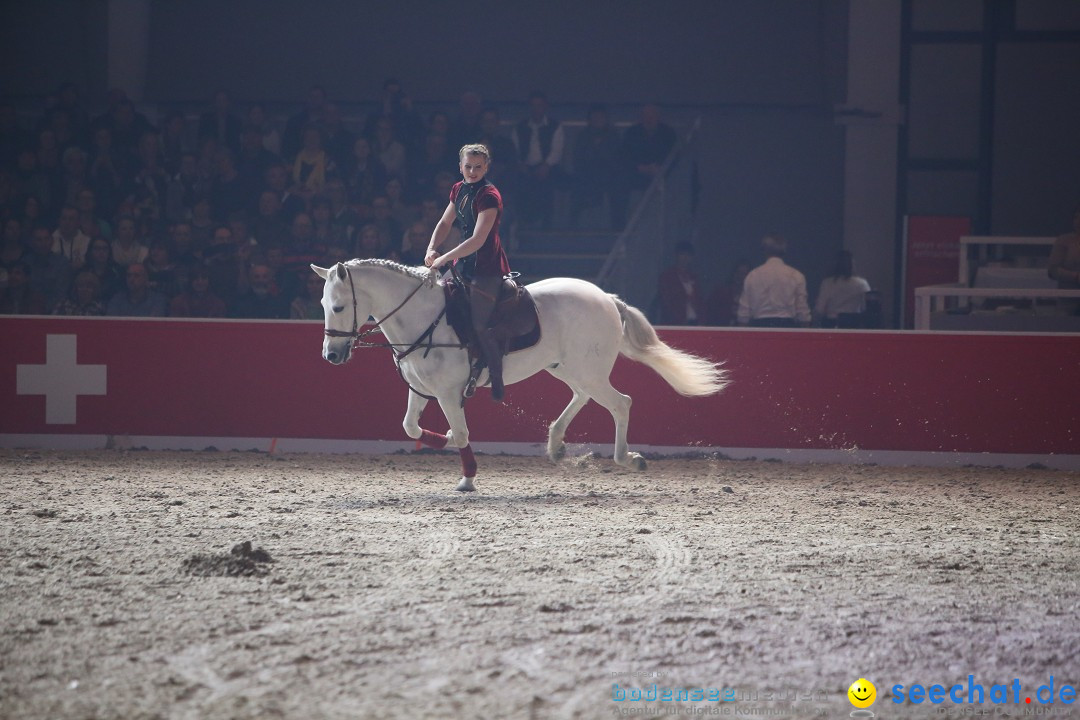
x: 514, y: 320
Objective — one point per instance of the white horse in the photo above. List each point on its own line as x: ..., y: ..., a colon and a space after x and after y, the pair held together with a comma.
x: 583, y: 330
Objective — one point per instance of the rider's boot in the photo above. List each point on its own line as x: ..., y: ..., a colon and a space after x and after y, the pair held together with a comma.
x: 493, y: 355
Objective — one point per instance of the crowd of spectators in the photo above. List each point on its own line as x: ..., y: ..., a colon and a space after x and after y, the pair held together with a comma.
x: 219, y: 217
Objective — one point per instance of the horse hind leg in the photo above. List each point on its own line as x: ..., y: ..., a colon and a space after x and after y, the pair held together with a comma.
x: 556, y: 448
x: 619, y: 406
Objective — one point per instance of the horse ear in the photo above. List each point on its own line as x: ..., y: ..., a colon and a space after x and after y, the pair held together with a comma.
x: 340, y: 271
x: 321, y: 272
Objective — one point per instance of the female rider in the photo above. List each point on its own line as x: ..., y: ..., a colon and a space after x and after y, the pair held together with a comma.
x: 477, y: 204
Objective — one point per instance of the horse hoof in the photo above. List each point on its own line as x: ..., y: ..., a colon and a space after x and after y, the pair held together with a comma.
x: 466, y: 485
x: 558, y: 453
x: 636, y: 462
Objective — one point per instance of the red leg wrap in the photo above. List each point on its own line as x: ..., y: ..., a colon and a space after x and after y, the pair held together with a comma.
x: 468, y: 462
x: 433, y: 440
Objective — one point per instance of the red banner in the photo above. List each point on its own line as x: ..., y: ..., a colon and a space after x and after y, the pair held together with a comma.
x: 931, y: 254
x: 799, y: 389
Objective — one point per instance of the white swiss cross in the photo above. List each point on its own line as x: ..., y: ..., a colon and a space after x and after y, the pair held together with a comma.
x: 61, y: 380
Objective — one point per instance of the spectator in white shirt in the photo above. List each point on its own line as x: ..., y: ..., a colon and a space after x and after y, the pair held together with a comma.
x: 774, y: 293
x: 841, y: 301
x: 539, y: 141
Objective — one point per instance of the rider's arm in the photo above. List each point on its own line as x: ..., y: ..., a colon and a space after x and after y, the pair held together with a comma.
x: 442, y: 229
x: 484, y: 222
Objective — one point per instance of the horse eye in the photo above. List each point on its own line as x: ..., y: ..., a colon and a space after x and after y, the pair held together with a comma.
x: 338, y: 308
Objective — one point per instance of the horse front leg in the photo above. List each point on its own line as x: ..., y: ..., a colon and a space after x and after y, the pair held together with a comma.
x: 458, y: 436
x: 411, y: 423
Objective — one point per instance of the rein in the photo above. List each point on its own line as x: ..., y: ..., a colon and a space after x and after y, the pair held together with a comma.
x: 358, y: 336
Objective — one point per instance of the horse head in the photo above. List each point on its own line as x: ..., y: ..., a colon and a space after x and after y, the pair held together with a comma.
x: 340, y: 312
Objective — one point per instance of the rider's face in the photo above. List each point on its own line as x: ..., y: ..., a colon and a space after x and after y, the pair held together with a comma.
x: 473, y: 168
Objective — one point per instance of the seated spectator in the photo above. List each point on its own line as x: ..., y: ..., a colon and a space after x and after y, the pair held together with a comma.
x: 308, y: 304
x: 467, y: 126
x: 271, y: 138
x: 161, y: 270
x: 183, y: 248
x: 108, y: 169
x: 84, y: 298
x: 90, y: 223
x: 151, y: 179
x: 312, y: 164
x: 268, y: 227
x: 197, y: 300
x: 202, y: 222
x: 343, y: 218
x: 220, y: 123
x: 312, y: 114
x: 30, y: 181
x: 137, y: 299
x: 75, y: 177
x: 774, y: 293
x: 503, y: 169
x: 680, y: 290
x: 597, y: 164
x: 290, y: 201
x: 69, y: 241
x: 382, y: 218
x: 321, y: 220
x: 174, y: 141
x: 99, y: 261
x: 126, y: 248
x: 396, y: 106
x: 364, y: 175
x: 436, y: 157
x: 253, y: 161
x: 230, y: 194
x: 841, y: 301
x: 414, y: 243
x: 370, y: 243
x: 388, y: 150
x: 50, y: 273
x: 223, y: 263
x: 20, y: 298
x: 723, y: 303
x: 259, y: 300
x: 401, y: 211
x: 184, y: 187
x: 33, y: 214
x: 11, y: 245
x: 337, y: 140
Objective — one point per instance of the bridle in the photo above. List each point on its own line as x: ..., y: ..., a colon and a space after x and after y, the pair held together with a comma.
x: 358, y: 336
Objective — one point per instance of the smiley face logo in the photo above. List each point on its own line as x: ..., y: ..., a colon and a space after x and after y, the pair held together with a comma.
x: 862, y: 693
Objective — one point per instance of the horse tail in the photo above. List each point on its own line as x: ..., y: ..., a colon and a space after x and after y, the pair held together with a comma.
x: 689, y: 374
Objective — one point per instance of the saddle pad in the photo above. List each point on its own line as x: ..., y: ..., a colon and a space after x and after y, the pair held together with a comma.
x: 457, y: 315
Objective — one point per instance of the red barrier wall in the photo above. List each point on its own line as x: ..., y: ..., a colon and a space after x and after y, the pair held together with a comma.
x: 793, y: 389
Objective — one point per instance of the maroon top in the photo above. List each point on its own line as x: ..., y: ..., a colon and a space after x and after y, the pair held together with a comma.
x: 490, y: 259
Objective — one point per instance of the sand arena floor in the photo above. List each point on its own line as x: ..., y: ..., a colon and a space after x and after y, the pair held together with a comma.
x: 382, y: 593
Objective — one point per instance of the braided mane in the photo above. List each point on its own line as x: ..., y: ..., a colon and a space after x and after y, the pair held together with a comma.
x: 415, y: 273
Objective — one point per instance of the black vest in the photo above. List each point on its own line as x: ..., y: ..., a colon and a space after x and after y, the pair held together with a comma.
x: 465, y: 209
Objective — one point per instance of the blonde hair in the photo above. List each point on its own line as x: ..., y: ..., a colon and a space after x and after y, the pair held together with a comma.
x: 474, y: 149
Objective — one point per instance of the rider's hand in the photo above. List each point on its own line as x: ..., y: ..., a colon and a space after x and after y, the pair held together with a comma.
x: 433, y: 277
x: 429, y: 258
